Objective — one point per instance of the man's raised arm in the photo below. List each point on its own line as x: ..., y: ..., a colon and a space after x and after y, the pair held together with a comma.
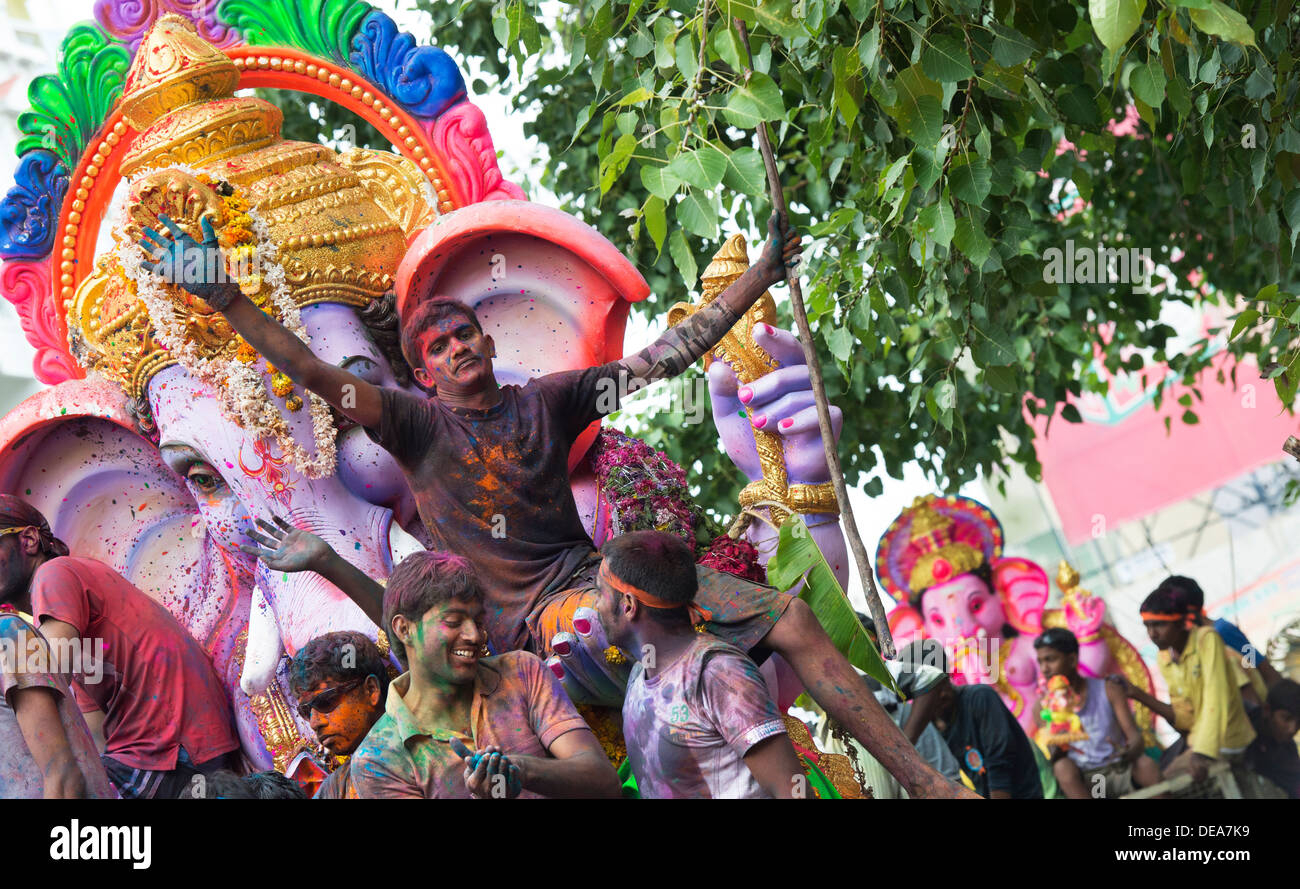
x: 685, y: 343
x: 354, y: 397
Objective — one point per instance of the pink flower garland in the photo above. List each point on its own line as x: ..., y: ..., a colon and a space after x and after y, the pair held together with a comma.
x: 647, y: 491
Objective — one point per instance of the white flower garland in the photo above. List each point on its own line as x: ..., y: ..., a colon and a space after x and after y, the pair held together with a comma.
x: 245, y: 397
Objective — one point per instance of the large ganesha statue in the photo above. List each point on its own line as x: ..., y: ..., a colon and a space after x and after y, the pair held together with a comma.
x: 165, y: 434
x: 941, y: 561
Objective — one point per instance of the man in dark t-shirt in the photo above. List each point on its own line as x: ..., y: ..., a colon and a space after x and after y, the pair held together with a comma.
x: 493, y: 484
x: 989, y: 744
x: 487, y: 464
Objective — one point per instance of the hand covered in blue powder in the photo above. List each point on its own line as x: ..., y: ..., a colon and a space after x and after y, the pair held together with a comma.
x: 489, y: 773
x: 197, y: 268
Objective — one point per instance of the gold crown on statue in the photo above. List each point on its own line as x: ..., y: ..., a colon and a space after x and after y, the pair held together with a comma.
x: 941, y: 558
x: 335, y: 225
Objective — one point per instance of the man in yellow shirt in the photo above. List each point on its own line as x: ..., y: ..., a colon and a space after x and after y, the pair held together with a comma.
x: 1204, y: 696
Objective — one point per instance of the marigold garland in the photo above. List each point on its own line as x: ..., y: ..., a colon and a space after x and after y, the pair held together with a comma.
x: 246, y: 243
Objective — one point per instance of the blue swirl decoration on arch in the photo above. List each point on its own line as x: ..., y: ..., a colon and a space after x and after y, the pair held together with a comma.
x: 423, y: 79
x: 29, y: 213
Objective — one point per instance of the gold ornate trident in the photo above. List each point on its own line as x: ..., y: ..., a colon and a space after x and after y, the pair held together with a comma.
x: 750, y: 361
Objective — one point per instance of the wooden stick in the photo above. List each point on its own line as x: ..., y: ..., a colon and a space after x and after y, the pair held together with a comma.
x: 1292, y: 446
x: 819, y: 387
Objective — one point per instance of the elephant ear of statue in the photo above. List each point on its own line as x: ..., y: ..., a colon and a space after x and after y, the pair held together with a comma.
x: 906, y: 625
x: 73, y: 453
x: 1023, y: 588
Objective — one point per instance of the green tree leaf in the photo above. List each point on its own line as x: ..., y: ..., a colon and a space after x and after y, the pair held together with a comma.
x: 971, y: 240
x: 661, y: 182
x: 970, y: 179
x: 1114, y: 21
x: 918, y: 112
x: 946, y: 60
x: 1148, y: 83
x: 696, y: 214
x: 702, y: 167
x: 745, y: 172
x: 939, y: 220
x: 798, y: 557
x: 1222, y: 20
x: 656, y: 222
x: 754, y: 102
x: 683, y: 258
x: 1010, y: 47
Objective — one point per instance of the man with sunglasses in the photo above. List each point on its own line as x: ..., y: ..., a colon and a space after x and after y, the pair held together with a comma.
x: 341, y: 683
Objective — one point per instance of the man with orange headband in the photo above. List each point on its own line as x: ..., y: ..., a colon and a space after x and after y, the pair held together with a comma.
x: 698, y: 719
x: 1205, y: 701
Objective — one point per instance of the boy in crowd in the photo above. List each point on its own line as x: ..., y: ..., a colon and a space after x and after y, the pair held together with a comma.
x: 990, y: 746
x: 698, y: 719
x: 1113, y: 756
x: 530, y: 740
x: 45, y: 748
x: 1205, y: 700
x: 476, y: 452
x: 1254, y: 673
x: 341, y: 683
x: 1273, y: 753
x: 166, y: 717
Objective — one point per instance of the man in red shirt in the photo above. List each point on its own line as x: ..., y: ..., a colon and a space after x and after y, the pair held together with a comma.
x: 166, y: 715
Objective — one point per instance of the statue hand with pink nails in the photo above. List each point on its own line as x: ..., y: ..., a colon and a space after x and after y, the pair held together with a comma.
x: 780, y: 402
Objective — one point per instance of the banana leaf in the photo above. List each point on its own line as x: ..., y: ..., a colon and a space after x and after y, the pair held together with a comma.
x: 798, y: 558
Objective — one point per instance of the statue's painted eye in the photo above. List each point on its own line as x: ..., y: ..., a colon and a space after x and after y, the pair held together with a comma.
x: 204, y: 478
x: 363, y: 368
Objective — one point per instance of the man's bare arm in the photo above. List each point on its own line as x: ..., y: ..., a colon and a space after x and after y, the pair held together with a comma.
x: 37, y: 711
x: 1156, y: 706
x: 685, y: 343
x: 579, y: 769
x: 776, y: 768
x: 354, y: 397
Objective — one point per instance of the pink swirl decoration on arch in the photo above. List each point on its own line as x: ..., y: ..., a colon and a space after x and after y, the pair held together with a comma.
x: 27, y: 286
x: 128, y: 20
x: 461, y: 137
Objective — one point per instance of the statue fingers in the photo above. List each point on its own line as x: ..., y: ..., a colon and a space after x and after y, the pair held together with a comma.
x: 765, y: 393
x: 723, y: 382
x: 176, y: 230
x: 780, y: 344
x: 805, y: 421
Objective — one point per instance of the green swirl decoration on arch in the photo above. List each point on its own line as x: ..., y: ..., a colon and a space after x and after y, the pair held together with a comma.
x: 323, y: 28
x: 68, y: 107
